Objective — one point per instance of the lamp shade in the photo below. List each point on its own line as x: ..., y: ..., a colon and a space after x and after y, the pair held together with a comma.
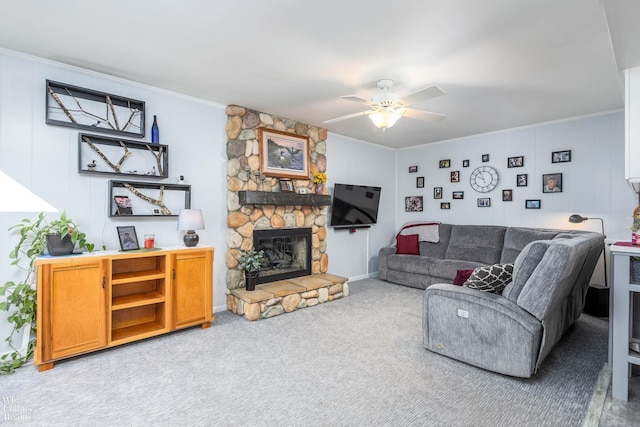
x: 190, y: 219
x: 384, y: 118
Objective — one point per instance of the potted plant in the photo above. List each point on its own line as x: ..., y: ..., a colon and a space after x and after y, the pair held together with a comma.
x: 20, y: 297
x: 250, y: 262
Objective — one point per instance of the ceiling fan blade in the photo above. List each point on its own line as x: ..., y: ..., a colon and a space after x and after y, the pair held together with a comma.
x: 348, y: 116
x: 355, y: 98
x: 425, y: 116
x: 423, y: 95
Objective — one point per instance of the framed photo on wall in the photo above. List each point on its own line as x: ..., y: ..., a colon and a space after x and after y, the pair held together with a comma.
x: 532, y: 204
x: 522, y: 180
x: 515, y: 162
x: 455, y: 176
x: 484, y: 202
x: 413, y: 204
x: 420, y: 182
x: 552, y: 183
x: 458, y: 195
x: 413, y: 169
x: 507, y: 195
x: 465, y: 163
x: 561, y: 156
x: 437, y: 192
x: 445, y: 205
x: 283, y: 155
x: 445, y: 163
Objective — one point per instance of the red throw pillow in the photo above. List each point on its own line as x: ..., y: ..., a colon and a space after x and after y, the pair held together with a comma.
x: 408, y: 244
x: 462, y: 276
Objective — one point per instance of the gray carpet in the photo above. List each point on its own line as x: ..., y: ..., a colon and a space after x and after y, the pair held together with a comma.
x: 357, y: 361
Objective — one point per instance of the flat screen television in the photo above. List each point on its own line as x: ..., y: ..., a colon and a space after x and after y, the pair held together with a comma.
x: 354, y: 206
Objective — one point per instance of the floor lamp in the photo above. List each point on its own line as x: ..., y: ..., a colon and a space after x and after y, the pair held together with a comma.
x: 597, y: 300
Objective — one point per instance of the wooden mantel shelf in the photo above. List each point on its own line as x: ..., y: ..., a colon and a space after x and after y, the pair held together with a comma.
x: 282, y: 199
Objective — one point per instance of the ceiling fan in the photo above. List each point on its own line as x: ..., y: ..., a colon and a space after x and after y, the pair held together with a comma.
x: 387, y: 107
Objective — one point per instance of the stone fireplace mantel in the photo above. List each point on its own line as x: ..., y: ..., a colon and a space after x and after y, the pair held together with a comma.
x: 282, y: 199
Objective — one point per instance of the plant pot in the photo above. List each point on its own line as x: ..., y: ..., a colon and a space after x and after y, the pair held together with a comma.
x: 58, y: 245
x: 251, y: 280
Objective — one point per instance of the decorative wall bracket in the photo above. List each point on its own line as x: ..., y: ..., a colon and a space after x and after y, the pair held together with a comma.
x: 82, y: 108
x: 147, y: 199
x: 101, y: 155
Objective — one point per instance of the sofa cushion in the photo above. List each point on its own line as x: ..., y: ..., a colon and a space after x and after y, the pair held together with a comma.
x: 407, y: 244
x: 410, y: 263
x: 437, y: 250
x: 524, y: 265
x: 462, y: 276
x: 515, y: 239
x: 445, y: 270
x: 480, y: 243
x: 490, y: 278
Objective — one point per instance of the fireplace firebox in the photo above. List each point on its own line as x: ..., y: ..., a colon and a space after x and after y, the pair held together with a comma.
x: 287, y: 253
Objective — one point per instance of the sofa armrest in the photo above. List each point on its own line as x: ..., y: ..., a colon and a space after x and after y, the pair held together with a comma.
x: 480, y: 328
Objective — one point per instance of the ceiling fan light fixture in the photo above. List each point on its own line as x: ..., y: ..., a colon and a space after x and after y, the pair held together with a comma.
x: 384, y: 119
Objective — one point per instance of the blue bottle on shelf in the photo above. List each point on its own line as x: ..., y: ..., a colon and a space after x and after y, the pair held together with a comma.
x: 155, y: 131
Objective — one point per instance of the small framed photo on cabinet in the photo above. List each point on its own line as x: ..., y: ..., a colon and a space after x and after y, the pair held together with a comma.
x: 128, y: 238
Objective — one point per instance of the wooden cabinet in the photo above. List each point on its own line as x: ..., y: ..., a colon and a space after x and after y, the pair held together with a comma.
x: 192, y: 298
x: 94, y: 301
x: 76, y: 300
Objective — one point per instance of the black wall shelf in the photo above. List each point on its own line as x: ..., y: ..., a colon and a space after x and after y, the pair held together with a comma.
x: 282, y: 198
x: 100, y: 155
x: 176, y: 197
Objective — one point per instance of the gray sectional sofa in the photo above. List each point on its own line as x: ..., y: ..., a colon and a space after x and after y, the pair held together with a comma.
x: 512, y: 332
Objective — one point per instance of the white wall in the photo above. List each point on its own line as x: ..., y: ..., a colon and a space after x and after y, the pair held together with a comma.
x: 43, y: 158
x: 351, y: 161
x: 593, y: 182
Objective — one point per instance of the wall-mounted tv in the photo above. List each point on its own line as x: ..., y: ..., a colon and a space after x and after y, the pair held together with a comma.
x: 354, y: 206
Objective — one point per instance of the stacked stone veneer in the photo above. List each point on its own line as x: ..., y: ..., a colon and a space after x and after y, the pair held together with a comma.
x: 243, y: 173
x: 285, y: 296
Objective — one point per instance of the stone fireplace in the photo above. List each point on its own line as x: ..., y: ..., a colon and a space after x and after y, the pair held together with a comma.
x: 244, y: 177
x: 287, y: 253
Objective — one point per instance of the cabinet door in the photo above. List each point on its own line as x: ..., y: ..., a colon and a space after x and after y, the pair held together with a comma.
x: 73, y: 299
x: 192, y: 287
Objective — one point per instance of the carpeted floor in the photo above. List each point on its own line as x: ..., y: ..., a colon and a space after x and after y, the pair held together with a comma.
x: 357, y: 361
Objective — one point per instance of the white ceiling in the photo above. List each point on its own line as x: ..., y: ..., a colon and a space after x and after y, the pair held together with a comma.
x: 502, y: 63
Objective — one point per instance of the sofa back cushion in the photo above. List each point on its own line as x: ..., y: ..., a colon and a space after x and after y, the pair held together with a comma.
x: 554, y: 277
x: 525, y: 263
x: 515, y: 239
x: 480, y: 243
x: 437, y: 250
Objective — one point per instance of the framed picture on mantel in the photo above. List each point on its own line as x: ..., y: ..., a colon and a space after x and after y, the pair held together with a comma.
x: 283, y: 155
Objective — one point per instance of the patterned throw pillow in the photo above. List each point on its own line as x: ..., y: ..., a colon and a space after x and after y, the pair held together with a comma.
x: 491, y: 278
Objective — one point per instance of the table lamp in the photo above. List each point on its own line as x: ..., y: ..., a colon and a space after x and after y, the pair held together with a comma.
x: 190, y: 220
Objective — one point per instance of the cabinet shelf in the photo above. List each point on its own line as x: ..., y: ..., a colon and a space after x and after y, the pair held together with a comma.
x: 136, y: 331
x: 136, y: 276
x: 136, y: 300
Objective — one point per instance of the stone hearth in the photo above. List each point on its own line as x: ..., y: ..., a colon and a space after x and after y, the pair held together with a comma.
x: 285, y: 296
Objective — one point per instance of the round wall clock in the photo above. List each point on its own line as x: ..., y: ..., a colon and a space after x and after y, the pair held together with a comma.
x: 484, y: 179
